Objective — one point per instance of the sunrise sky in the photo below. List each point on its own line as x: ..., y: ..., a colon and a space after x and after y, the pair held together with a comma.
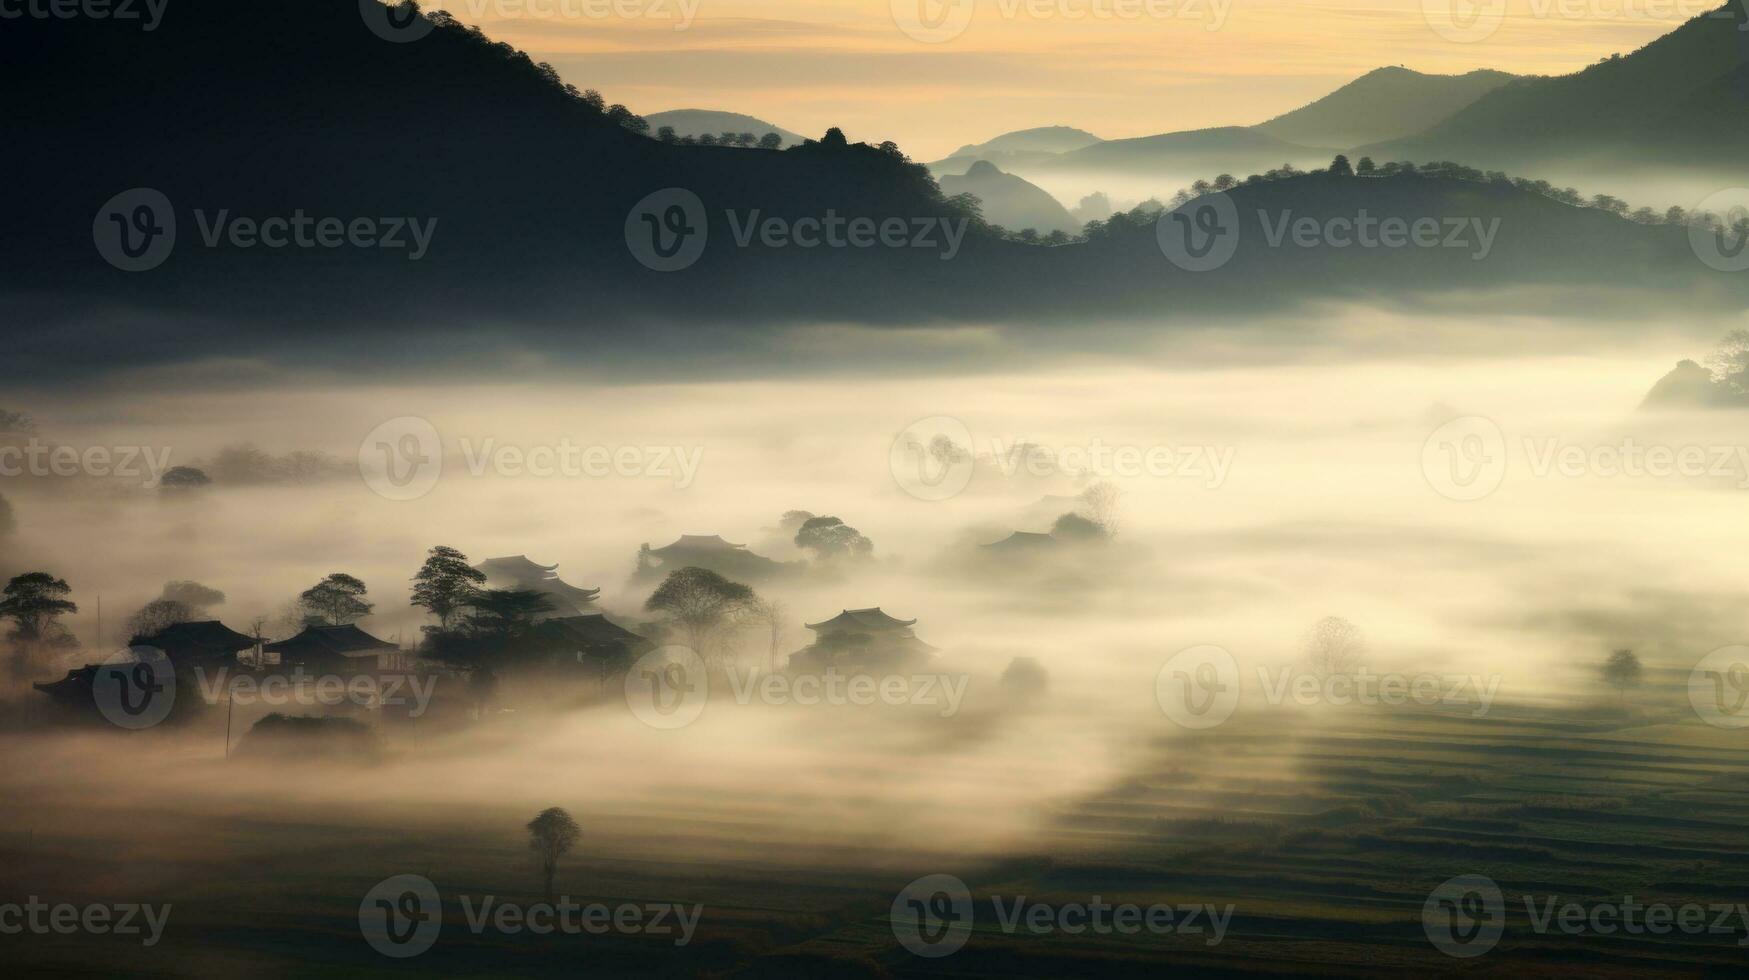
x: 1107, y: 66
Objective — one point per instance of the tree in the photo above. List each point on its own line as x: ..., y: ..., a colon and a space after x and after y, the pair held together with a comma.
x: 666, y: 134
x: 335, y: 601
x: 1622, y: 670
x: 702, y: 604
x: 1334, y: 647
x: 834, y: 139
x: 157, y: 616
x: 771, y: 614
x: 1366, y: 168
x: 1339, y: 167
x: 1099, y: 504
x: 34, y: 602
x: 194, y: 595
x: 771, y: 141
x: 506, y: 614
x: 746, y: 139
x: 706, y: 139
x: 1731, y: 360
x: 550, y: 836
x: 445, y: 583
x: 829, y: 537
x: 1224, y: 182
x: 1073, y: 527
x: 20, y: 422
x: 184, y: 478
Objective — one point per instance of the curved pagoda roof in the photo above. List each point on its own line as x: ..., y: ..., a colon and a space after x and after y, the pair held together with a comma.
x: 1024, y: 539
x: 699, y: 542
x: 872, y: 619
x: 518, y: 569
x: 345, y: 641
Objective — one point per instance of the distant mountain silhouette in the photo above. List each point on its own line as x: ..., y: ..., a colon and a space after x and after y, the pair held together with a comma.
x: 1383, y: 104
x: 1237, y: 150
x: 1020, y: 148
x: 1680, y: 101
x: 532, y: 187
x: 1010, y: 201
x: 700, y: 122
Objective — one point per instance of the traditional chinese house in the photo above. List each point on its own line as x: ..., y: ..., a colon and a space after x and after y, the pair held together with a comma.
x: 209, y: 642
x: 345, y: 650
x: 862, y: 639
x: 707, y: 551
x: 591, y: 640
x: 518, y: 572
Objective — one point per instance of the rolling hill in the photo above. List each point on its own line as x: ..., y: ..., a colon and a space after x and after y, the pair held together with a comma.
x: 1681, y: 101
x: 1010, y: 201
x: 1017, y: 149
x: 702, y: 122
x: 1237, y: 150
x: 1383, y: 104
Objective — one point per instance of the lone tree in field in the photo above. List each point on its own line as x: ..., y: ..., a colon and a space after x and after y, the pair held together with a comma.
x: 445, y: 584
x: 1622, y: 670
x: 550, y: 836
x: 335, y: 601
x: 1334, y: 647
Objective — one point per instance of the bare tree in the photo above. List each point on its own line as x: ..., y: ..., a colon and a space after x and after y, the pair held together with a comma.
x: 771, y: 614
x: 1334, y: 647
x: 704, y: 607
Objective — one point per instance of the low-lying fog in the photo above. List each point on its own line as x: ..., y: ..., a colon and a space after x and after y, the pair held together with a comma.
x: 1297, y: 490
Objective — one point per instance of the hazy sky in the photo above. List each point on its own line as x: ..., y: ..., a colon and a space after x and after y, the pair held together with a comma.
x: 1114, y: 67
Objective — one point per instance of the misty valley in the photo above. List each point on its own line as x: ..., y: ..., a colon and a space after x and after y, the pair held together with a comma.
x: 452, y: 521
